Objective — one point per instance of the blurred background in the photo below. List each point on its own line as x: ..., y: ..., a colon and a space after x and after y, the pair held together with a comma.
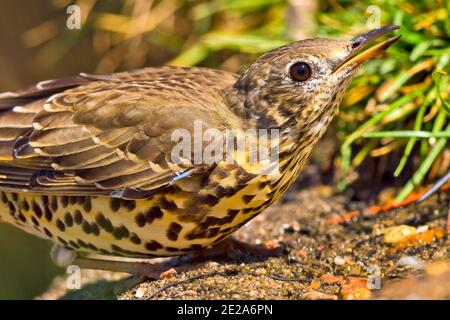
x: 392, y: 130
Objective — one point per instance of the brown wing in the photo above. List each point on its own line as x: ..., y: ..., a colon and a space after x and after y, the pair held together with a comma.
x: 107, y: 135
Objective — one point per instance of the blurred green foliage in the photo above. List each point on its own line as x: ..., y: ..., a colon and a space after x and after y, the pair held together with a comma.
x: 25, y: 267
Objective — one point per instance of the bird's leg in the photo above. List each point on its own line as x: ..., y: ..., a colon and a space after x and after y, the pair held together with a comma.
x: 63, y: 258
x: 228, y: 248
x: 146, y: 269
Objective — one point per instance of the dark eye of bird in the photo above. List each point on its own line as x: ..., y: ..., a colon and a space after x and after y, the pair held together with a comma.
x: 300, y: 71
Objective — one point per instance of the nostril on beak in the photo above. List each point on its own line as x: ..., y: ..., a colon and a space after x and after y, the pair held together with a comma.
x: 356, y: 44
x: 361, y: 40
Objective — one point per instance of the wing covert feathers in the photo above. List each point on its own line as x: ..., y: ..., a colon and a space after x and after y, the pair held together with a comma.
x: 105, y: 135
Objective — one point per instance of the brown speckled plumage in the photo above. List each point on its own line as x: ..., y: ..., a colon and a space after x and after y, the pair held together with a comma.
x: 86, y: 161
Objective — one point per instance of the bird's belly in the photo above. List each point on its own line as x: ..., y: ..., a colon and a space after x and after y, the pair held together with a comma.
x: 159, y: 226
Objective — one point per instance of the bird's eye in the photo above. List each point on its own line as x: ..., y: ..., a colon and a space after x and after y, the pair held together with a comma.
x: 300, y: 71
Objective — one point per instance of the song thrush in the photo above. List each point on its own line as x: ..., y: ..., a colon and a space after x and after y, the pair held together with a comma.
x: 86, y: 161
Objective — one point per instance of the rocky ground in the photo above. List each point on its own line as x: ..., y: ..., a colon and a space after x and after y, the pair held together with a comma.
x: 334, y: 249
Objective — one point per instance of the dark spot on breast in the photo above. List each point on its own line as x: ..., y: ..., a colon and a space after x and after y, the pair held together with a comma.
x: 173, y: 231
x: 210, y: 199
x: 25, y: 206
x: 82, y: 243
x: 135, y: 239
x: 12, y: 208
x: 48, y: 214
x: 108, y: 227
x: 263, y: 184
x: 80, y: 200
x: 226, y: 230
x: 220, y: 238
x: 171, y: 249
x: 4, y: 197
x: 120, y: 232
x: 140, y: 220
x: 196, y: 246
x: 86, y: 227
x: 114, y: 204
x: 225, y: 191
x: 167, y: 204
x: 60, y: 225
x: 152, y: 214
x: 78, y: 217
x: 64, y: 201
x: 73, y: 244
x: 35, y: 221
x: 103, y: 223
x: 92, y: 247
x: 14, y: 196
x: 73, y: 200
x: 248, y: 198
x: 196, y: 234
x: 210, y: 221
x: 129, y: 204
x: 64, y: 242
x: 213, y: 232
x: 106, y: 252
x: 247, y: 210
x: 53, y: 203
x: 116, y: 248
x: 95, y: 229
x: 48, y: 233
x: 68, y: 219
x: 36, y: 209
x: 232, y: 213
x: 87, y: 205
x: 153, y: 245
x: 44, y: 200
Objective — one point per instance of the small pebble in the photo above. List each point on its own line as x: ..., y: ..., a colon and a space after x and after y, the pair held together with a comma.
x: 139, y: 293
x: 171, y: 273
x: 422, y: 229
x: 316, y: 295
x: 339, y: 261
x: 413, y: 262
x: 398, y: 233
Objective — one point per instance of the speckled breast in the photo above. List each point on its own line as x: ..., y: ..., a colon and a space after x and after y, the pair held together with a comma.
x: 171, y: 222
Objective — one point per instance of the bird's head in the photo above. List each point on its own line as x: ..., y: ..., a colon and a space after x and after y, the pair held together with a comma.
x: 300, y: 85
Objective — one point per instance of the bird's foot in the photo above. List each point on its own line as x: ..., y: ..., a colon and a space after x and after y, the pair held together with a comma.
x: 233, y: 248
x: 62, y: 257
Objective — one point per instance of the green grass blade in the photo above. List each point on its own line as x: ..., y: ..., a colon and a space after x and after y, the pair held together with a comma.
x: 361, y: 130
x: 423, y: 169
x: 412, y: 141
x: 407, y: 134
x: 437, y: 77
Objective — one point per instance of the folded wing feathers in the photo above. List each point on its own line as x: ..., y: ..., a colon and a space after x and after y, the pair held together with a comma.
x: 83, y: 135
